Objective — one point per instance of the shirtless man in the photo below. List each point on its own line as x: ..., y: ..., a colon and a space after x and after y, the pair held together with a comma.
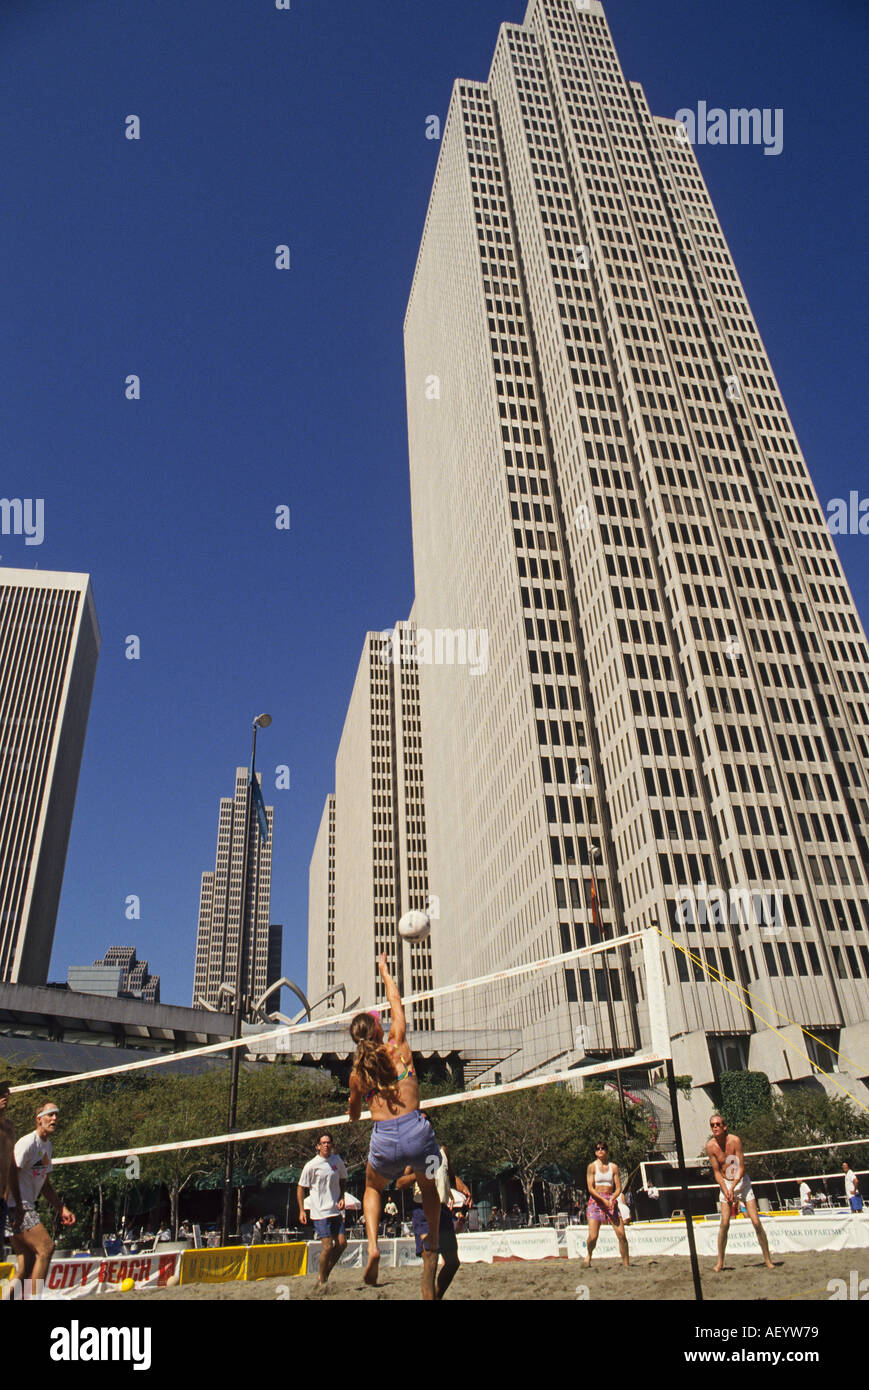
x: 8, y: 1167
x: 728, y: 1165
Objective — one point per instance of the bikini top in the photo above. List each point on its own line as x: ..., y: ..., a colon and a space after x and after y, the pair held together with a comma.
x: 603, y: 1176
x: 402, y: 1074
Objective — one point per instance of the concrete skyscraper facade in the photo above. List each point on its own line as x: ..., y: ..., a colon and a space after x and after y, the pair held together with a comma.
x: 604, y: 478
x: 375, y: 868
x: 321, y: 908
x: 49, y: 645
x: 220, y: 901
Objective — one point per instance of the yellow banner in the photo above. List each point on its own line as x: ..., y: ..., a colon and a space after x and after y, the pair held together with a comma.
x: 7, y: 1271
x: 268, y: 1261
x: 220, y: 1266
x: 231, y: 1262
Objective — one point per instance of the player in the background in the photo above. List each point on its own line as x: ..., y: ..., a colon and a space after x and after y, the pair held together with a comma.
x: 31, y: 1242
x: 604, y: 1184
x: 728, y: 1165
x: 447, y: 1182
x: 852, y: 1189
x: 326, y: 1178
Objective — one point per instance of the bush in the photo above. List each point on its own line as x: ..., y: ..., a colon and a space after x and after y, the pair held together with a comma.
x: 744, y: 1095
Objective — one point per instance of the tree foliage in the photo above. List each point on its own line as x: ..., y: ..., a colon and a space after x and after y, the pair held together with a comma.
x: 527, y: 1132
x: 803, y: 1117
x: 744, y: 1094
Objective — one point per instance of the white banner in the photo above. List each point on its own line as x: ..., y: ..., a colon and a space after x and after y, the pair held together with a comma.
x: 786, y: 1236
x: 392, y: 1253
x: 491, y: 1246
x: 75, y: 1278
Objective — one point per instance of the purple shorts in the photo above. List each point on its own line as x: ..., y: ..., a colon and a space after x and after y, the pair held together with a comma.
x: 598, y: 1213
x: 407, y: 1141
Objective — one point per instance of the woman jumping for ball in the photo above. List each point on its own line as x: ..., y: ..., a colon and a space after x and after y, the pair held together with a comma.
x: 604, y: 1189
x: 384, y: 1079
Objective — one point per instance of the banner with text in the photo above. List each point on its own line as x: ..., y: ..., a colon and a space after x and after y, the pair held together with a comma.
x: 76, y: 1278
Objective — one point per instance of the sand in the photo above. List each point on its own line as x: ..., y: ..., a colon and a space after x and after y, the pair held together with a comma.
x: 796, y: 1278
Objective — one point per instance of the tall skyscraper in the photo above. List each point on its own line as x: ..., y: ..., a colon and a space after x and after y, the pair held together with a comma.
x: 371, y: 845
x: 321, y: 909
x: 220, y: 902
x: 49, y: 645
x: 605, y: 480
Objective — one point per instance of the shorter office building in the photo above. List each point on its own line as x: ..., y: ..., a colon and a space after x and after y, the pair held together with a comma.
x: 119, y: 974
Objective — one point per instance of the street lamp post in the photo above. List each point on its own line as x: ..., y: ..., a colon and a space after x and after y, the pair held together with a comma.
x: 262, y: 721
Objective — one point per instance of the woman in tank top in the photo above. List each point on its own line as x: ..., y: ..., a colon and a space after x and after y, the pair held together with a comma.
x: 604, y: 1189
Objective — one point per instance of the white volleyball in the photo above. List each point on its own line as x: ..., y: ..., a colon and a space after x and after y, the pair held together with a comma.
x: 414, y: 925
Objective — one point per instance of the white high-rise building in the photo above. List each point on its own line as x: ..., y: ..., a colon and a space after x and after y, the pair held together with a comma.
x: 49, y: 645
x: 217, y: 939
x: 321, y: 909
x: 605, y: 482
x: 369, y: 865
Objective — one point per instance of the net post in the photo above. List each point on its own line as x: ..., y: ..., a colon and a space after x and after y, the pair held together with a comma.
x: 660, y: 1046
x: 680, y: 1158
x: 659, y: 1041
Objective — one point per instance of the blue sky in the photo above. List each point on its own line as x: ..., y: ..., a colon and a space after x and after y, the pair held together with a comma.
x: 262, y: 388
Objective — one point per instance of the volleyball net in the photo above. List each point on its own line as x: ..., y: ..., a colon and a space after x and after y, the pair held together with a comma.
x: 591, y: 1017
x: 564, y: 1049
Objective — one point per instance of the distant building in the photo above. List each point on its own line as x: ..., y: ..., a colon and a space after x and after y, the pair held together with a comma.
x: 369, y: 865
x: 220, y: 905
x: 276, y: 948
x: 321, y: 908
x: 49, y: 644
x: 118, y: 974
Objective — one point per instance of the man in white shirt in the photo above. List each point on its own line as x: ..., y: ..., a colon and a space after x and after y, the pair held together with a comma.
x: 31, y: 1242
x: 852, y: 1193
x: 806, y: 1204
x: 326, y: 1178
x: 390, y: 1212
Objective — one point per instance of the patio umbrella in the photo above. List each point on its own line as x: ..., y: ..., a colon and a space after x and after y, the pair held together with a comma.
x: 281, y: 1175
x: 208, y: 1182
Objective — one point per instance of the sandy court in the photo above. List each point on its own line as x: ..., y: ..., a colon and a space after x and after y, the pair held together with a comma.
x: 796, y: 1278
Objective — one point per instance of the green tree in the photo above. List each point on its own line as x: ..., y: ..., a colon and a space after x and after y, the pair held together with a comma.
x: 527, y: 1131
x: 744, y: 1094
x: 170, y: 1109
x: 803, y: 1116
